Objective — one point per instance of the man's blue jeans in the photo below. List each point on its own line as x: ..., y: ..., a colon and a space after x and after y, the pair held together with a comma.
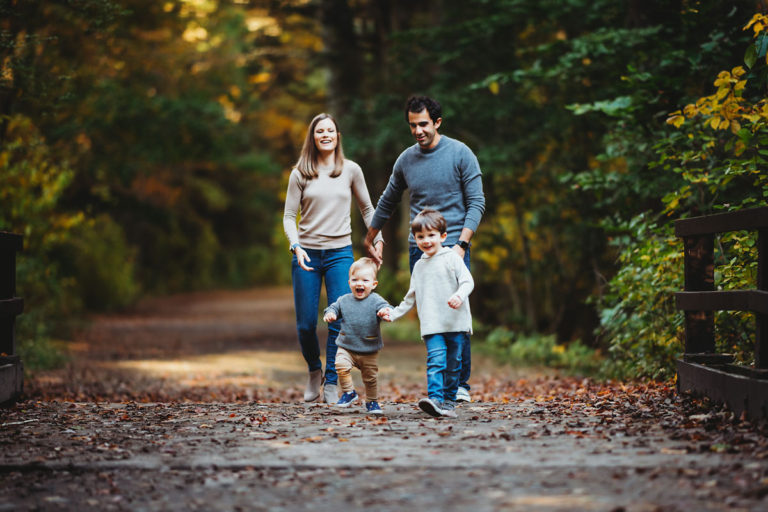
x: 443, y: 364
x: 333, y: 265
x: 466, y: 350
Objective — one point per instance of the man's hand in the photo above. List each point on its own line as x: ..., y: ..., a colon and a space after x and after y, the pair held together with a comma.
x: 375, y: 251
x: 455, y: 301
x: 385, y: 314
x: 329, y: 317
x: 303, y: 258
x: 459, y: 251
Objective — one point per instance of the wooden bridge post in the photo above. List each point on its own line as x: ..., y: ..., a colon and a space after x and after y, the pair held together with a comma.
x: 761, y: 319
x: 11, y: 369
x: 699, y: 269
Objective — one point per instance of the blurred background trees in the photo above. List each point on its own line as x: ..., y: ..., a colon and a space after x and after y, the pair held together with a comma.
x: 144, y: 147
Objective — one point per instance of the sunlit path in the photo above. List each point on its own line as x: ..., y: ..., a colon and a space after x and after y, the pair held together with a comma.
x: 217, y: 346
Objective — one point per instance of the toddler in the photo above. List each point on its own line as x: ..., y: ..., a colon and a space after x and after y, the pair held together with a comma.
x: 359, y: 338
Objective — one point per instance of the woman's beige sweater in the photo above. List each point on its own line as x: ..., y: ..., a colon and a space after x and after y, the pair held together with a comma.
x: 323, y: 206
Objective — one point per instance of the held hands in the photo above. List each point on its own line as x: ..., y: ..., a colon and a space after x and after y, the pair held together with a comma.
x: 374, y: 250
x: 455, y: 301
x: 329, y: 317
x: 385, y: 314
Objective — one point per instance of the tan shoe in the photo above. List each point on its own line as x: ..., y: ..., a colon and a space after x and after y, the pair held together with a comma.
x: 314, y: 381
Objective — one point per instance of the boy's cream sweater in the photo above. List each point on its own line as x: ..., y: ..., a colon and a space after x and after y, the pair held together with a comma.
x: 433, y: 281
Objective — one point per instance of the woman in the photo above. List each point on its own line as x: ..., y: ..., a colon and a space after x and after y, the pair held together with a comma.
x: 320, y: 188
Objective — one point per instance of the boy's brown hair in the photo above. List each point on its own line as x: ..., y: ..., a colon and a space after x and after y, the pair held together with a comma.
x: 428, y: 219
x: 362, y: 263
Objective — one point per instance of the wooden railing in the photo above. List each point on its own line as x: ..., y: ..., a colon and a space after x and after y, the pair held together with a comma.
x: 11, y: 369
x: 702, y: 370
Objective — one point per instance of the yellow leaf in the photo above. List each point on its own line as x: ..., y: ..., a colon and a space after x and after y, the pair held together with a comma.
x: 494, y: 87
x: 676, y: 121
x: 740, y: 85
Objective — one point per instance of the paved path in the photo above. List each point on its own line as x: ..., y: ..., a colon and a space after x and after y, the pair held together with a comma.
x: 534, y: 442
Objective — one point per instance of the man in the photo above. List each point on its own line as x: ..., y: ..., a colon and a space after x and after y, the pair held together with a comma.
x: 441, y: 173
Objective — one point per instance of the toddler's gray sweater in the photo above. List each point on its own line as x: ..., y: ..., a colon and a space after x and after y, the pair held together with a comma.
x: 360, y: 331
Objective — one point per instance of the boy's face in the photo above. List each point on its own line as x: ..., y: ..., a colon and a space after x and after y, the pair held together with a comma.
x: 429, y: 241
x: 362, y: 282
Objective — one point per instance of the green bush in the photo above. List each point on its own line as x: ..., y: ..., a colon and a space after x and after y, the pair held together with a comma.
x: 512, y: 348
x: 101, y: 262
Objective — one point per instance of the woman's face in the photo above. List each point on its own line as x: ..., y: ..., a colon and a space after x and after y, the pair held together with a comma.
x: 326, y: 137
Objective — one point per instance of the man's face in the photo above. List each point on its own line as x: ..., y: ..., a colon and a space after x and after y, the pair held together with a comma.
x: 423, y: 129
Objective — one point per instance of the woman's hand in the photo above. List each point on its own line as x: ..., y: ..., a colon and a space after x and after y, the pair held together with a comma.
x: 385, y: 314
x: 302, y: 258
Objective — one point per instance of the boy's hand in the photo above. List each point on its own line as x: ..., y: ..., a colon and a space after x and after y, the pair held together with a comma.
x: 329, y: 317
x: 385, y: 314
x: 455, y: 302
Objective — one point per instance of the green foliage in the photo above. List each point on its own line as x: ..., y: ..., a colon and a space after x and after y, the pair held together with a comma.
x: 31, y: 187
x: 101, y: 263
x: 717, y: 156
x: 405, y: 329
x: 519, y: 350
x: 40, y: 353
x: 638, y: 318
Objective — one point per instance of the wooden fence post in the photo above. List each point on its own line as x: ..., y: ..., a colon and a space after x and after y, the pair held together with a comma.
x: 11, y: 368
x: 761, y: 319
x: 699, y: 269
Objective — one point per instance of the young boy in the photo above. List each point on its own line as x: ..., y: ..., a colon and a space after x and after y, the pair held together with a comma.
x: 440, y: 287
x: 359, y: 338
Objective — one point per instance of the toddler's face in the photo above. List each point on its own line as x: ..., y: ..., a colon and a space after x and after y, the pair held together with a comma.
x: 429, y: 241
x: 362, y: 282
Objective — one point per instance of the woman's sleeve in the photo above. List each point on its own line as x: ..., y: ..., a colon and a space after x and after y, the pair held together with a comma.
x: 363, y: 198
x: 292, y: 207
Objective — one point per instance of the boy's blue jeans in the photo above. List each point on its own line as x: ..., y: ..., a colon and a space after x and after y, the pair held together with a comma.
x: 443, y: 364
x: 466, y: 350
x: 333, y: 265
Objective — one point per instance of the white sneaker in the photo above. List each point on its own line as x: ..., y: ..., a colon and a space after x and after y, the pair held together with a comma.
x: 330, y: 393
x: 430, y: 407
x: 462, y: 395
x: 448, y: 409
x: 314, y: 381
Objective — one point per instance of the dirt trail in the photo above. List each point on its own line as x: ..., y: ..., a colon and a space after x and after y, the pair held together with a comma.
x: 215, y: 346
x: 192, y: 403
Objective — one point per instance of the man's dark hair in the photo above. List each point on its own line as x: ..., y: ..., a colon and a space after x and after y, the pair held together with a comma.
x: 416, y: 104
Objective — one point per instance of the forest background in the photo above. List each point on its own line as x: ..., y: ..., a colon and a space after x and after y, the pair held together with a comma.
x: 145, y: 147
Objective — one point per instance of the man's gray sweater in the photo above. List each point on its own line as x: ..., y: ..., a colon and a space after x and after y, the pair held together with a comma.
x: 446, y: 178
x: 360, y: 330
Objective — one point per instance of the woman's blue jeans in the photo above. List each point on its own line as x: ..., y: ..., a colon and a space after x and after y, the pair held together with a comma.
x: 466, y: 350
x: 333, y: 266
x: 443, y: 364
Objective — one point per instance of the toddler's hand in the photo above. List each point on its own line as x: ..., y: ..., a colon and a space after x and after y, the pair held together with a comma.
x: 455, y: 302
x: 385, y: 314
x: 329, y: 317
